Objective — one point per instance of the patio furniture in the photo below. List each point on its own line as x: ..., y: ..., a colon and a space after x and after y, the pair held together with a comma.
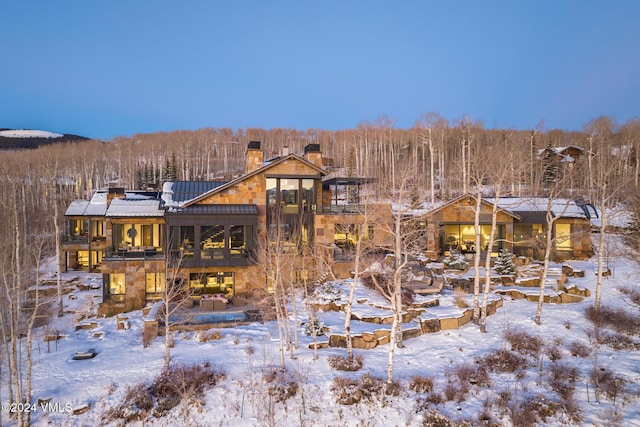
x: 83, y: 355
x: 206, y: 304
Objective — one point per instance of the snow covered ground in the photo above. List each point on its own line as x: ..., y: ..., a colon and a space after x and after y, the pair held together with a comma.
x: 244, y: 352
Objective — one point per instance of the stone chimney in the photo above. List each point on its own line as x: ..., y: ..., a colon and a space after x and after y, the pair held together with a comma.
x: 313, y: 155
x: 115, y: 193
x: 253, y: 157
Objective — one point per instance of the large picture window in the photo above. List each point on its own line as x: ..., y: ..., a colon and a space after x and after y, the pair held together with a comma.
x: 137, y: 235
x: 217, y: 283
x: 116, y: 283
x: 182, y: 240
x: 563, y: 237
x: 462, y: 237
x: 154, y: 284
x: 212, y: 242
x: 291, y: 203
x: 240, y: 237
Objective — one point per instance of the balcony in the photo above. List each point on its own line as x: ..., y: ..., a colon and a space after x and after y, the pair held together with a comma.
x: 133, y: 252
x: 343, y: 209
x: 74, y: 238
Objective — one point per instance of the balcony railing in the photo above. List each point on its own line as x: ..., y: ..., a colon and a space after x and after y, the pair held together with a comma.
x: 74, y: 238
x: 133, y: 253
x: 343, y: 209
x: 81, y: 238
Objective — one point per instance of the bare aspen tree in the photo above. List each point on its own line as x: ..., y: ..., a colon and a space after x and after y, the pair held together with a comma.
x: 427, y: 125
x: 362, y: 244
x: 608, y: 183
x: 551, y: 216
x: 175, y: 293
x: 404, y: 236
x: 501, y: 171
x: 275, y: 255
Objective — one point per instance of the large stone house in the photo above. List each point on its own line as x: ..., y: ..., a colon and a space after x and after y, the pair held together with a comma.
x: 210, y: 235
x: 521, y: 226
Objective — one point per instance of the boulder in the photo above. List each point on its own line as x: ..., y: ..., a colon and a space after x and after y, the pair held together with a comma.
x: 411, y: 333
x: 449, y: 323
x: 529, y: 282
x: 358, y: 342
x: 337, y: 341
x: 430, y: 325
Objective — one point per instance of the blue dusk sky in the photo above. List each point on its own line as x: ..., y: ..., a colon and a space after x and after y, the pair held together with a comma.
x: 115, y: 68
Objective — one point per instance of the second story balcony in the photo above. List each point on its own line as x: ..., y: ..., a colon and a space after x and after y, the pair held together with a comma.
x: 133, y: 252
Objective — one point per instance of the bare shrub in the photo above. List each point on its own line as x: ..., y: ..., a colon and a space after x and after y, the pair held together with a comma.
x: 350, y: 391
x: 523, y: 342
x: 205, y: 336
x: 421, y: 384
x: 433, y: 398
x: 136, y: 403
x: 579, y: 349
x: 454, y: 390
x: 504, y: 361
x: 562, y: 379
x: 485, y: 417
x: 618, y: 342
x: 393, y: 389
x: 619, y: 319
x: 181, y: 382
x: 343, y: 363
x: 434, y: 418
x: 169, y: 388
x: 554, y: 353
x: 632, y: 293
x: 533, y: 409
x: 282, y: 386
x: 346, y: 391
x: 406, y: 296
x: 608, y: 383
x: 503, y: 399
x: 469, y: 373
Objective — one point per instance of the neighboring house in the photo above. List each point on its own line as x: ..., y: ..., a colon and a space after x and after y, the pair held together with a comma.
x: 556, y: 159
x: 521, y: 226
x: 568, y: 154
x: 207, y: 235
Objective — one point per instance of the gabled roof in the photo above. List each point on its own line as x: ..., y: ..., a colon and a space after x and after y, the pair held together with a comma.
x: 263, y: 169
x: 472, y: 197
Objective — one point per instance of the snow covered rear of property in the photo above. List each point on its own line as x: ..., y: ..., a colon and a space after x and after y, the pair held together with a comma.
x: 122, y: 361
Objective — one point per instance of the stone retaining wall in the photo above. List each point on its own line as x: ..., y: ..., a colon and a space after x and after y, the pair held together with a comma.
x: 369, y: 340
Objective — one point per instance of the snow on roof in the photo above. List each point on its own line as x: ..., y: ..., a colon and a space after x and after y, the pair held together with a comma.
x: 97, y: 206
x: 25, y: 133
x: 136, y: 207
x: 565, y: 208
x: 77, y: 208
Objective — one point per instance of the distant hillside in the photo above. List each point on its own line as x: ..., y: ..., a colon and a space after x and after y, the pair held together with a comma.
x: 11, y: 139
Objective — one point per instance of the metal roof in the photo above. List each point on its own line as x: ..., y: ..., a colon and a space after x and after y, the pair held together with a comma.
x: 126, y: 208
x: 77, y: 208
x: 177, y: 192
